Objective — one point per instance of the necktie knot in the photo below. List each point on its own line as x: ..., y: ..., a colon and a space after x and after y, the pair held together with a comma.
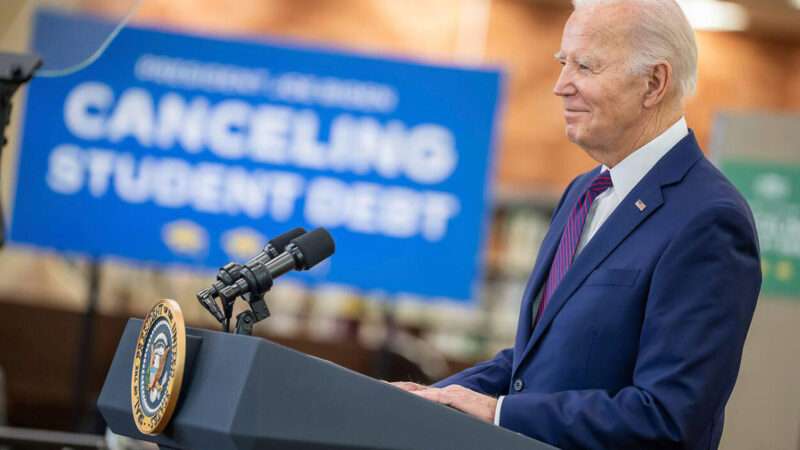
x: 600, y: 183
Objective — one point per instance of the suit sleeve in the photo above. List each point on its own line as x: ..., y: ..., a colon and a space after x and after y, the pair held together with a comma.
x: 699, y: 307
x: 489, y: 377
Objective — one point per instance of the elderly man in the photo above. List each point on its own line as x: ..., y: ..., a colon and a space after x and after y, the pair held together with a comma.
x: 632, y: 324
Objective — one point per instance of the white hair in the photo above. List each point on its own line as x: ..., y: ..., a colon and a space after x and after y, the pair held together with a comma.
x: 660, y: 33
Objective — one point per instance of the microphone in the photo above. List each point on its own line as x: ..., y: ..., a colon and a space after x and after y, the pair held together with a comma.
x: 277, y: 245
x: 302, y: 253
x: 231, y: 272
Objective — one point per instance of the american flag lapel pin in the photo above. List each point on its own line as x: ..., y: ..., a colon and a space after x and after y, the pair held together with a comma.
x: 640, y: 204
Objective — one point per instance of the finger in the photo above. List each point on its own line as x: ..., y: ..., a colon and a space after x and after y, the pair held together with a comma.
x: 446, y: 395
x: 465, y: 400
x: 408, y: 386
x: 432, y: 394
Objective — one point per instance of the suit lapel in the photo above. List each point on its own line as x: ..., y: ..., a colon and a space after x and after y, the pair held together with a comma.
x: 622, y: 222
x: 543, y: 261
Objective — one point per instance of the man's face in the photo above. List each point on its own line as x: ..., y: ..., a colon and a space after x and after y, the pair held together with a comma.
x: 602, y: 99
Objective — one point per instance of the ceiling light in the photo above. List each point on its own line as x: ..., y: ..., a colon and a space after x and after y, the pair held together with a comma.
x: 713, y: 15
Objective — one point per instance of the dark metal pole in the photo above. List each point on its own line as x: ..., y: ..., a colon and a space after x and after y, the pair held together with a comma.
x: 83, y: 362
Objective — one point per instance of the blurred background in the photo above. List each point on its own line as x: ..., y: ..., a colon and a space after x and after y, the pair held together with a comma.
x: 62, y: 312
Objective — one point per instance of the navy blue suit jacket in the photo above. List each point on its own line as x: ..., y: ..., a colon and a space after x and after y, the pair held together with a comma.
x: 640, y: 344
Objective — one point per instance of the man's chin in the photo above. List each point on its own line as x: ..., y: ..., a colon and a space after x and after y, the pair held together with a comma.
x: 577, y: 137
x: 572, y: 133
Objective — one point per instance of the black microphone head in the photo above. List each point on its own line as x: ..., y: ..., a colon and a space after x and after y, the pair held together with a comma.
x: 315, y: 246
x: 279, y: 243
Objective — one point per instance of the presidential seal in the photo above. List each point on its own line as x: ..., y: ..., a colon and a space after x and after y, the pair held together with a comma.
x: 158, y: 367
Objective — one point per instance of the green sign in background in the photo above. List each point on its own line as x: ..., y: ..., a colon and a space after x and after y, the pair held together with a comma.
x: 773, y: 192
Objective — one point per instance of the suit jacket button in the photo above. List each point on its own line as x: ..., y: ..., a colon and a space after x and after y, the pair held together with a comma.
x: 518, y: 385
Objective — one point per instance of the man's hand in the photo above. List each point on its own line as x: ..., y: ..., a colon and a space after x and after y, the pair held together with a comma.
x: 458, y: 397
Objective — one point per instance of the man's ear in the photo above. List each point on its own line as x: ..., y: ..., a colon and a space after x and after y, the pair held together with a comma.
x: 658, y: 81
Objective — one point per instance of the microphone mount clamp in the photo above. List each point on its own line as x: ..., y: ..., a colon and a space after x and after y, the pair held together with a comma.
x: 250, y: 282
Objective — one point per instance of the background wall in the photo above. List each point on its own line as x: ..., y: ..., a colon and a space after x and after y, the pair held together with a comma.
x: 738, y: 72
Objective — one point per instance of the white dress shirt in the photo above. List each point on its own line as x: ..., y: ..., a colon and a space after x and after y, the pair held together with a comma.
x: 625, y: 176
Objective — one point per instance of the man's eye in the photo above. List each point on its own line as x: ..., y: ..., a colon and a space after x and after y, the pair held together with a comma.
x: 583, y: 67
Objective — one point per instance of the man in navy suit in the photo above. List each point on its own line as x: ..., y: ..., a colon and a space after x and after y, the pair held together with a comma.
x: 632, y: 325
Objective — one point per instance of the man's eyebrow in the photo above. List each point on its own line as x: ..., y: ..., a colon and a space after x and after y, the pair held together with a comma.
x: 587, y: 59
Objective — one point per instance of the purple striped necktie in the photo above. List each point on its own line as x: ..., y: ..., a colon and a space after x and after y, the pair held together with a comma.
x: 570, y: 238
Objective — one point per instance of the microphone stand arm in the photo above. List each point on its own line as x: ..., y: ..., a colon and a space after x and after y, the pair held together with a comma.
x: 249, y: 282
x: 255, y: 281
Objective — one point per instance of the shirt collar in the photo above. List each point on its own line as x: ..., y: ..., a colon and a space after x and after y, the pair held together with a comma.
x: 635, y: 166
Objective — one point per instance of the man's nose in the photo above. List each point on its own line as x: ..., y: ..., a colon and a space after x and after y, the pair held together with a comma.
x: 564, y: 86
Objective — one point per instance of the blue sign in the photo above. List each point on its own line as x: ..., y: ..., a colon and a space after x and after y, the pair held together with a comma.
x: 182, y: 149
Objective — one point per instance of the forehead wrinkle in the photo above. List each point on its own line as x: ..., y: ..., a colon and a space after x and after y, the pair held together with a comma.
x: 586, y: 49
x: 600, y: 32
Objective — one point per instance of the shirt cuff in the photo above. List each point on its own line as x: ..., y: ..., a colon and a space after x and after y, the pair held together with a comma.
x: 497, y: 410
